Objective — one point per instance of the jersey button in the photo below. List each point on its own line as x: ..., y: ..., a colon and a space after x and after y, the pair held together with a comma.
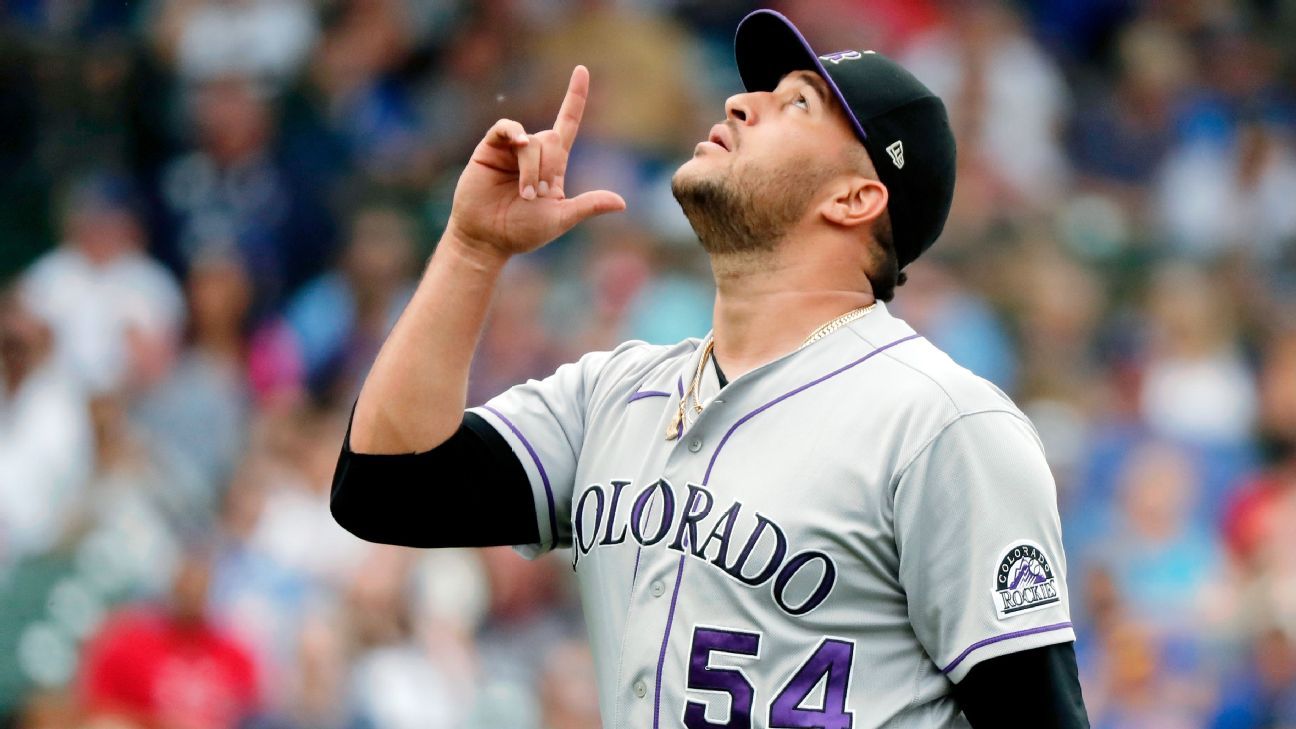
x: 658, y: 589
x: 695, y: 444
x: 640, y: 688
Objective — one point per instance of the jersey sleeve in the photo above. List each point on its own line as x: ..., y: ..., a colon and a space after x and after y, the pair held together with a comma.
x: 980, y: 543
x: 543, y: 421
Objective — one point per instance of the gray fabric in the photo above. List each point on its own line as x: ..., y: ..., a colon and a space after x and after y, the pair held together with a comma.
x: 880, y: 462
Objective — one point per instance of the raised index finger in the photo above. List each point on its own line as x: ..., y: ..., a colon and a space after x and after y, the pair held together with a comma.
x: 573, y: 106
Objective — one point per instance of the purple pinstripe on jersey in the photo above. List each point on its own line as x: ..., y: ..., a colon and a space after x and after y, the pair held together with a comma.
x: 790, y: 393
x: 544, y: 477
x: 670, y: 616
x: 641, y: 394
x: 998, y: 638
x: 661, y: 657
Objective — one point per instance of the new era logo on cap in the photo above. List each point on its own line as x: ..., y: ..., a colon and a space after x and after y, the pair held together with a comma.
x: 896, y: 150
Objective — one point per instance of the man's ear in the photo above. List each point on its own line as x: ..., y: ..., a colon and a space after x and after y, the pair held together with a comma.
x: 856, y: 200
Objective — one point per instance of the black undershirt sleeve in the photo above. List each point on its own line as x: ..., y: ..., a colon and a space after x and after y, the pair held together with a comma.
x: 470, y: 491
x: 1040, y: 683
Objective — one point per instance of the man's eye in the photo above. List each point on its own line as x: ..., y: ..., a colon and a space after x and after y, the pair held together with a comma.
x: 801, y: 102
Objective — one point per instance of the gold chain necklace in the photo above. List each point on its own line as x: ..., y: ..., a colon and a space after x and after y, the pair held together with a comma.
x: 836, y: 324
x: 676, y: 426
x: 690, y: 396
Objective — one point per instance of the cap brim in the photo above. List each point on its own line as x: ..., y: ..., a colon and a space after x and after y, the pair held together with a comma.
x: 767, y: 47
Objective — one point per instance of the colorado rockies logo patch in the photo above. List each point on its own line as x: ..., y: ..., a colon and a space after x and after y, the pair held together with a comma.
x: 1024, y: 580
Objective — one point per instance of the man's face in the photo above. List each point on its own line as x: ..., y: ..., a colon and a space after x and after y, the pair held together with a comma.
x: 759, y: 172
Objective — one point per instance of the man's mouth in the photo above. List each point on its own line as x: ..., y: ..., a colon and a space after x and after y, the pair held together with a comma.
x: 720, y: 137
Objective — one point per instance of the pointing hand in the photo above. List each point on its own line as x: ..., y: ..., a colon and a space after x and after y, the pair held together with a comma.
x: 511, y: 197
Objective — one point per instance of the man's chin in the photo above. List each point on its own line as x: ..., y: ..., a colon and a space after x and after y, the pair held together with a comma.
x: 694, y: 173
x: 699, y: 167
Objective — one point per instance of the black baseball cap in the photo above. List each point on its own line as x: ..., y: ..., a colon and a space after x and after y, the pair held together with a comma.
x: 900, y: 122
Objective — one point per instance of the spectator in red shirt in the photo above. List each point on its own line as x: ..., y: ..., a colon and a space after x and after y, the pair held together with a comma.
x: 1254, y: 517
x: 168, y: 666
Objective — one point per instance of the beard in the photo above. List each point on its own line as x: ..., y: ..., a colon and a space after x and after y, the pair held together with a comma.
x: 748, y: 215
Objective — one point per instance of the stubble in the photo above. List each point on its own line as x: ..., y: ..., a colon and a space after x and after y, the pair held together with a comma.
x: 749, y: 209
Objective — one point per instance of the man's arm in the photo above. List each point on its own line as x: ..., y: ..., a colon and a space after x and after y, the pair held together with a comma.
x: 981, y: 557
x: 509, y: 200
x: 1042, y: 683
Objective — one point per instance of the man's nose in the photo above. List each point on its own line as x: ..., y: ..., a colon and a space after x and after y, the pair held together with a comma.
x: 743, y: 108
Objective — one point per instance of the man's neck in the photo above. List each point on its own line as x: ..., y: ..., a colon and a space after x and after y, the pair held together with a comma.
x: 767, y: 304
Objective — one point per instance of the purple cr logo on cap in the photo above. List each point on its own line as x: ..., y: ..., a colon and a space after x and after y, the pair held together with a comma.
x: 840, y: 56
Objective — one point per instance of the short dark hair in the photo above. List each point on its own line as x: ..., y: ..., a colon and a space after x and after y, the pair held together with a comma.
x: 886, y: 274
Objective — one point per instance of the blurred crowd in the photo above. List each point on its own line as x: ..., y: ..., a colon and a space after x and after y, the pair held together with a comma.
x: 211, y: 211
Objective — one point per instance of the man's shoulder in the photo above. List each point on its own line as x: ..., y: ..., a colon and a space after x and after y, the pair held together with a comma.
x: 917, y: 378
x: 636, y: 362
x: 937, y: 378
x: 925, y: 392
x: 630, y: 367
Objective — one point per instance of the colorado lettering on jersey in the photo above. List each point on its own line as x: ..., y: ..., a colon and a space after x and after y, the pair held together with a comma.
x: 747, y: 546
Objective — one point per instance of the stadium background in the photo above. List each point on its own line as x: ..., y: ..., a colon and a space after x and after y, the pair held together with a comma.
x: 211, y: 211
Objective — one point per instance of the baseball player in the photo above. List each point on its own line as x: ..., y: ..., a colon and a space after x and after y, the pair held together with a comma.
x: 811, y: 517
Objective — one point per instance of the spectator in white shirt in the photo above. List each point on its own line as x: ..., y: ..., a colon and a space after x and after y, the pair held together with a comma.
x: 116, y: 313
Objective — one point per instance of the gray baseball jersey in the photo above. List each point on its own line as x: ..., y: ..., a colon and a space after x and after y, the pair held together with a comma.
x: 836, y: 537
